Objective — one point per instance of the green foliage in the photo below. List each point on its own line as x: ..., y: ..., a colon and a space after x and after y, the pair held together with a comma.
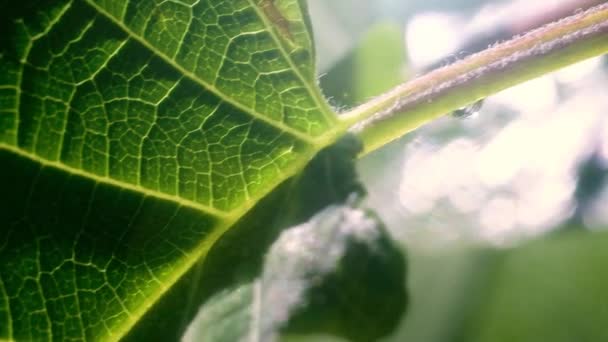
x: 375, y: 65
x: 551, y: 290
x: 152, y: 151
x: 132, y: 136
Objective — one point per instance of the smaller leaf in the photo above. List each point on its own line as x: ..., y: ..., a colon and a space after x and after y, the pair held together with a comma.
x: 551, y: 289
x: 375, y: 65
x: 339, y: 273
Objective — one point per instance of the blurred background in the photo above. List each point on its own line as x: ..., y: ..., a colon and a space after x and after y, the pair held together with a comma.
x: 502, y: 209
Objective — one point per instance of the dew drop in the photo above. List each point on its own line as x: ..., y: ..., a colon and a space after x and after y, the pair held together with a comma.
x: 469, y: 110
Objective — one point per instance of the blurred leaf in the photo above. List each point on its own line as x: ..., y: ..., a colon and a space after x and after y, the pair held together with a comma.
x: 549, y: 290
x: 330, y: 178
x: 338, y: 273
x: 552, y: 289
x: 445, y: 287
x: 377, y: 64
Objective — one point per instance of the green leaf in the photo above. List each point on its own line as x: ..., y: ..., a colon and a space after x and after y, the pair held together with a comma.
x: 133, y: 134
x: 552, y: 289
x: 375, y: 65
x: 549, y: 289
x: 237, y: 257
x: 356, y: 290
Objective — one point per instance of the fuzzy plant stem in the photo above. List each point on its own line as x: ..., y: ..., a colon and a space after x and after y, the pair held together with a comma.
x: 408, y: 106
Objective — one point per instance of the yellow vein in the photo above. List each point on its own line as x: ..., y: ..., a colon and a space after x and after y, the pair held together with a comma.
x: 279, y: 125
x: 120, y: 184
x: 85, y: 221
x: 195, y: 255
x: 9, y: 318
x: 45, y: 301
x: 23, y: 60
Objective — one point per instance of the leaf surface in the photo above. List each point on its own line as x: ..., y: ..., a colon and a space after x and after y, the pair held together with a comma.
x: 133, y: 134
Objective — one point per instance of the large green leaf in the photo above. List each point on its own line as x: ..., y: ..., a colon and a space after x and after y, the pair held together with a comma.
x: 133, y: 134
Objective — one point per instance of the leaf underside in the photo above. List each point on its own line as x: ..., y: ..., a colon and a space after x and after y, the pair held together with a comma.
x: 132, y: 135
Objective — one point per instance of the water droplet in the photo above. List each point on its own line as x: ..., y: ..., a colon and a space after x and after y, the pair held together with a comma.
x: 469, y: 110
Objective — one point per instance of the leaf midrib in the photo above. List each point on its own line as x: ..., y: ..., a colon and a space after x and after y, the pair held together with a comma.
x: 116, y: 183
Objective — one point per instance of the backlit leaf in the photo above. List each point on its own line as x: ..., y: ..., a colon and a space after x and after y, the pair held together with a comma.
x: 133, y: 134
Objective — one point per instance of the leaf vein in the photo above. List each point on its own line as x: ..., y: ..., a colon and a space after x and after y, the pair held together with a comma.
x: 7, y: 306
x: 297, y: 134
x: 328, y: 115
x: 111, y: 181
